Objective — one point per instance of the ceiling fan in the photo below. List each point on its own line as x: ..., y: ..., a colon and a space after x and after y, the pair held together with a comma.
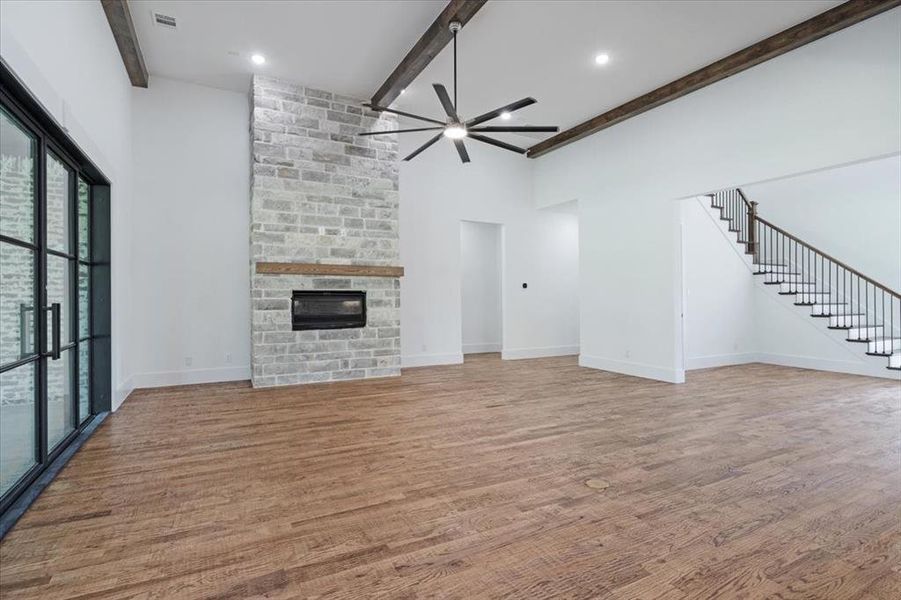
x: 457, y: 129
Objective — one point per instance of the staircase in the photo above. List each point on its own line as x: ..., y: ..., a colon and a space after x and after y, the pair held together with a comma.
x: 844, y: 298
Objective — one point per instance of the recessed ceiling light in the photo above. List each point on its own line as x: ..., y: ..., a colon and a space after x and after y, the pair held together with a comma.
x: 505, y: 116
x: 258, y: 59
x: 402, y: 91
x: 602, y: 59
x: 455, y: 132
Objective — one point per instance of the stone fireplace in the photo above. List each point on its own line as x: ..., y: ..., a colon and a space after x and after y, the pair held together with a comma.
x: 324, y: 217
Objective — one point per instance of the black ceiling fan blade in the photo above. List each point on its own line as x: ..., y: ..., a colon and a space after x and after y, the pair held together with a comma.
x: 497, y: 112
x: 404, y: 114
x: 445, y: 100
x: 518, y: 128
x: 461, y: 150
x: 400, y: 131
x: 498, y: 143
x: 424, y: 146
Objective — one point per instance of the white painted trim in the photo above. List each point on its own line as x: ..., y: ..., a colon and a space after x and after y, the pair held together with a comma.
x: 519, y: 353
x: 122, y: 393
x: 428, y: 360
x: 719, y: 360
x: 479, y: 348
x: 633, y: 368
x: 835, y: 366
x: 166, y: 378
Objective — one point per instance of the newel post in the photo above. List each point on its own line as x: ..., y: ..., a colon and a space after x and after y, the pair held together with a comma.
x: 752, y: 228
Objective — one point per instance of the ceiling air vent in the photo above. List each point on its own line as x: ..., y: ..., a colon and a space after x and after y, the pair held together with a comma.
x: 164, y: 20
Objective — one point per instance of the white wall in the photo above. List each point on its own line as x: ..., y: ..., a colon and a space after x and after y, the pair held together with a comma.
x: 852, y: 212
x: 540, y: 248
x: 831, y: 102
x: 719, y: 296
x: 480, y: 264
x: 191, y: 234
x: 65, y: 53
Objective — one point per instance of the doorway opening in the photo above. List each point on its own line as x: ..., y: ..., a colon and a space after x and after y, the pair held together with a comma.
x: 481, y: 252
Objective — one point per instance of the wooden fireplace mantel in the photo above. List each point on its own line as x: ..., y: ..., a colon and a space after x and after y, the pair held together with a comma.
x: 293, y: 268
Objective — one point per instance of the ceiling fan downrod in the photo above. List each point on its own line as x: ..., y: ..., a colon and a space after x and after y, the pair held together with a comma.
x: 454, y: 27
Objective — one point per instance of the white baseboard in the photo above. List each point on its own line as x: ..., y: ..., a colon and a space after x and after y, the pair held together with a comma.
x: 518, y: 353
x: 428, y: 360
x: 480, y: 348
x: 166, y: 378
x: 633, y: 368
x: 870, y: 368
x: 720, y: 360
x: 122, y: 393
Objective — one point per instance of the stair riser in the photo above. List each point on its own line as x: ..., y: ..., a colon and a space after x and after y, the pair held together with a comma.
x: 811, y: 298
x: 784, y: 279
x: 864, y: 333
x: 884, y: 346
x: 848, y: 321
x: 827, y: 309
x: 796, y: 288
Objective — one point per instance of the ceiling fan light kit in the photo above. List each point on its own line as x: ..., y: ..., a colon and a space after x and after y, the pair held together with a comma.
x: 456, y: 129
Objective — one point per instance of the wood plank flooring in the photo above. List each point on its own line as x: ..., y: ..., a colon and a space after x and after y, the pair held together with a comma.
x: 470, y: 482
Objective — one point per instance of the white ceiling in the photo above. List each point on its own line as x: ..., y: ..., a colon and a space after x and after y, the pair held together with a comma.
x: 345, y: 46
x: 509, y: 50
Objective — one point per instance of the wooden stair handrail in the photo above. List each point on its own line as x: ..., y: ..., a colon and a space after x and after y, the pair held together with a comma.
x: 830, y: 258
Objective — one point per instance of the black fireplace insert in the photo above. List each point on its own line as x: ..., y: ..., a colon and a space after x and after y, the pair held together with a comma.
x: 328, y: 310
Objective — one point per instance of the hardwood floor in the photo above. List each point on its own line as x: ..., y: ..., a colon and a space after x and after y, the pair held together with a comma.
x: 516, y: 479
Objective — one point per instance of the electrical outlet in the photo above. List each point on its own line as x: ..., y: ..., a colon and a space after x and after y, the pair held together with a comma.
x: 189, y: 361
x: 228, y: 357
x: 628, y: 354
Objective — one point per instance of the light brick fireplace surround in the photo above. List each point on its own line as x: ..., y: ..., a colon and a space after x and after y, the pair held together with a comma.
x: 321, y: 196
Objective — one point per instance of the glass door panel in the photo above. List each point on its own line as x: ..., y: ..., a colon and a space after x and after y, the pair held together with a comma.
x: 18, y: 431
x: 18, y: 150
x: 84, y: 380
x: 59, y: 399
x: 19, y: 252
x: 84, y: 223
x: 17, y: 305
x: 59, y: 198
x: 61, y: 346
x: 84, y: 302
x: 59, y: 292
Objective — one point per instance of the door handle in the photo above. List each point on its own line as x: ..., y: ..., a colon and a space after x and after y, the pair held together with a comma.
x: 55, y: 320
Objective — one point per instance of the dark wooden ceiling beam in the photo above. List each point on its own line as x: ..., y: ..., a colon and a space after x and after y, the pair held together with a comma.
x: 436, y: 37
x: 123, y: 28
x: 832, y: 20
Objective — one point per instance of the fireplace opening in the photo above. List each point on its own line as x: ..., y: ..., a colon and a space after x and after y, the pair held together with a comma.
x: 328, y: 310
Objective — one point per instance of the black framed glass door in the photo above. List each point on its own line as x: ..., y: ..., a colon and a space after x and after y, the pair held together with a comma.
x: 19, y: 300
x: 46, y: 302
